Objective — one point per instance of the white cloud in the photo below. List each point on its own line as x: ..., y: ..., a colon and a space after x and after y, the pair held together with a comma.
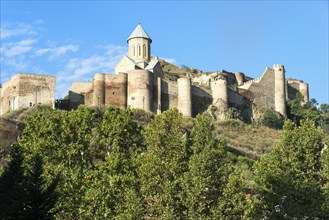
x: 17, y: 48
x: 169, y: 60
x: 16, y: 64
x: 83, y: 69
x: 57, y: 51
x: 9, y: 29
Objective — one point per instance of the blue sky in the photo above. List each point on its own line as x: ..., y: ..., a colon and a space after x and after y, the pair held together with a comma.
x: 76, y: 39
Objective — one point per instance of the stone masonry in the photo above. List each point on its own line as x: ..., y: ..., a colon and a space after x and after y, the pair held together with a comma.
x: 25, y: 90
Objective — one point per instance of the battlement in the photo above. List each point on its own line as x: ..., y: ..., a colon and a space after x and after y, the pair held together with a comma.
x: 31, y: 76
x: 290, y: 80
x: 278, y: 67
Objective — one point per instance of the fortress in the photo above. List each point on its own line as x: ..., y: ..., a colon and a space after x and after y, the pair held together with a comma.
x: 139, y: 82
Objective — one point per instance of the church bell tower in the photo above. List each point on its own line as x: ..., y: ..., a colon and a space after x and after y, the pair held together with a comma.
x: 139, y: 46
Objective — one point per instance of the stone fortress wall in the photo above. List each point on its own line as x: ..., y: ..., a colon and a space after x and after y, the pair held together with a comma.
x: 138, y: 83
x: 25, y: 90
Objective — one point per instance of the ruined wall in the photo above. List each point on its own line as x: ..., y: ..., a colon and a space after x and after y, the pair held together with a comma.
x: 140, y: 89
x: 261, y: 93
x: 80, y: 93
x: 24, y: 90
x: 8, y: 91
x: 201, y: 99
x: 294, y: 86
x: 169, y: 94
x: 116, y: 90
x: 239, y: 78
x: 240, y: 103
x: 235, y: 99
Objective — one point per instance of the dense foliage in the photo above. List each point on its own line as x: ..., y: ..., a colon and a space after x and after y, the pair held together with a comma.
x: 299, y: 110
x: 24, y: 191
x: 99, y: 163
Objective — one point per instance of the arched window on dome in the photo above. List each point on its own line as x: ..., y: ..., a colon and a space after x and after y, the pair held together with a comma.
x: 139, y: 50
x: 144, y: 50
x: 134, y: 51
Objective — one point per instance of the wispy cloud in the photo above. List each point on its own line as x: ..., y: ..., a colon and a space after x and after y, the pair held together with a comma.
x: 56, y: 52
x: 17, y: 48
x: 12, y: 29
x: 169, y: 60
x: 83, y: 69
x: 22, y: 50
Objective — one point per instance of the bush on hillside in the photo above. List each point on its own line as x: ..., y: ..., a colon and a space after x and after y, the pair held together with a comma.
x: 273, y: 119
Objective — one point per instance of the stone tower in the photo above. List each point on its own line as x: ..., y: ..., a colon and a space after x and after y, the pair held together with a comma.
x: 139, y: 46
x: 303, y: 87
x: 219, y: 93
x: 280, y: 89
x: 184, y: 96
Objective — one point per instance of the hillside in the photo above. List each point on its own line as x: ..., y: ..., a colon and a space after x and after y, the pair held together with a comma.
x: 8, y: 135
x: 173, y: 72
x: 248, y: 140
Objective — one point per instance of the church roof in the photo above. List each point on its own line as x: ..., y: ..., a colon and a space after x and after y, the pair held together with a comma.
x: 139, y: 33
x: 151, y: 64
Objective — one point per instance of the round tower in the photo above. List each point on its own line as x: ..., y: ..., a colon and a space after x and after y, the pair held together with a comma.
x: 99, y: 89
x: 219, y: 93
x: 303, y: 89
x: 139, y: 45
x: 140, y: 89
x: 239, y: 78
x: 184, y: 96
x: 280, y: 89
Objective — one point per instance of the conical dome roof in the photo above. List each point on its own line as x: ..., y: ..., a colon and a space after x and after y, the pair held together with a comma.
x: 139, y: 33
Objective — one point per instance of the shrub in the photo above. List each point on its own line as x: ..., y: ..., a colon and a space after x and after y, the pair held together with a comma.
x: 273, y: 119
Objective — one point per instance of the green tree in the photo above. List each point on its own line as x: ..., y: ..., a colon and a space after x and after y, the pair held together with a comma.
x: 26, y: 196
x: 162, y: 166
x: 325, y: 176
x: 324, y: 107
x: 12, y: 192
x: 113, y: 187
x: 41, y: 197
x: 237, y: 201
x: 298, y: 110
x: 273, y: 119
x: 63, y: 140
x: 209, y: 168
x: 288, y: 180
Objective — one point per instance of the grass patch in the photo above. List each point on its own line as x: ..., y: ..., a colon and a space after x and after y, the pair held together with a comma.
x: 250, y: 140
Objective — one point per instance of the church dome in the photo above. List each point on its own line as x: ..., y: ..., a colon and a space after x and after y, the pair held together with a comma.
x: 139, y: 33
